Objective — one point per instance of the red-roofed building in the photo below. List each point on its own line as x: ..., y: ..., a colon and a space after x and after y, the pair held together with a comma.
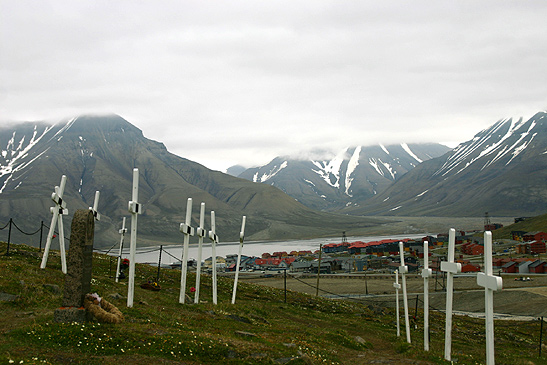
x: 537, y: 247
x: 535, y: 236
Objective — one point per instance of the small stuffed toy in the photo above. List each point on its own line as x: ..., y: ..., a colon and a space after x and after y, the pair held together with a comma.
x: 101, y: 309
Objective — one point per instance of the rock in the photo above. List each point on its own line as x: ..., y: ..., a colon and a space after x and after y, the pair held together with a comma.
x: 285, y: 360
x: 6, y: 297
x: 115, y: 296
x: 245, y: 334
x: 52, y: 288
x: 238, y: 318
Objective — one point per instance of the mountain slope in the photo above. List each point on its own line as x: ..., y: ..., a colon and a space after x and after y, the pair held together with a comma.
x: 502, y: 170
x: 351, y: 177
x: 100, y: 152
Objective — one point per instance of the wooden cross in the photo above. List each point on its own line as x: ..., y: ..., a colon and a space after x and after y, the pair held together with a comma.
x: 490, y: 283
x: 135, y: 208
x: 397, y: 286
x: 426, y: 274
x: 214, y: 238
x: 241, y: 238
x: 122, y: 232
x: 57, y: 219
x: 403, y: 269
x: 188, y: 231
x: 451, y: 268
x: 200, y: 232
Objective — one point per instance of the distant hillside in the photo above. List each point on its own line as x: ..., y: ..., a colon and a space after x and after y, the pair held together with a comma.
x: 502, y: 170
x: 348, y: 178
x: 100, y: 152
x: 538, y: 223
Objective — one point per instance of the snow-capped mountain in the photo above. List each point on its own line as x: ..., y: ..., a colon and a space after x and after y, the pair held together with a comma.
x: 100, y: 152
x: 351, y: 176
x: 502, y: 170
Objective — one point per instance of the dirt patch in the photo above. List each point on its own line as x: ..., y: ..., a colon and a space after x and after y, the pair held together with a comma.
x: 525, y: 298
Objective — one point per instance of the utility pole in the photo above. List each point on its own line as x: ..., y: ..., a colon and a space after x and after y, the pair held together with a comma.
x: 318, y: 270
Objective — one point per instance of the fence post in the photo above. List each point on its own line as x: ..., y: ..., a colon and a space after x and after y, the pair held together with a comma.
x: 416, y: 309
x: 159, y: 264
x: 540, y: 335
x: 318, y: 270
x: 9, y: 235
x: 41, y: 231
x: 285, y: 283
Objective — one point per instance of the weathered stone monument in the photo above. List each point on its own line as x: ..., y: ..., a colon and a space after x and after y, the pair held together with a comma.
x: 79, y: 268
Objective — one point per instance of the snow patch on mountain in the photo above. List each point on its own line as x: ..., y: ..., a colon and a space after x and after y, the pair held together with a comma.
x: 352, y: 165
x: 271, y: 173
x: 65, y: 127
x: 330, y: 170
x: 422, y: 193
x: 407, y: 149
x: 16, y: 155
x: 490, y: 142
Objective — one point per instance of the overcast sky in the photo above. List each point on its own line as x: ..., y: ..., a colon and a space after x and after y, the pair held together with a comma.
x: 241, y: 82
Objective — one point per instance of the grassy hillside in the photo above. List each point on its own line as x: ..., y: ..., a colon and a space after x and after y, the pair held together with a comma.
x: 263, y: 327
x: 532, y: 224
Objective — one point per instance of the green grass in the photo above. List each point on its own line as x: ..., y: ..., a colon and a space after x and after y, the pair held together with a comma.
x: 538, y: 223
x: 259, y: 329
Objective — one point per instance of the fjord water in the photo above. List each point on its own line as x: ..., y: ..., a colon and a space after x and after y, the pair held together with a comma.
x: 173, y: 253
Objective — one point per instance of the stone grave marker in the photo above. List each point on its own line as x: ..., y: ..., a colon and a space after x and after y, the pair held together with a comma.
x: 79, y: 268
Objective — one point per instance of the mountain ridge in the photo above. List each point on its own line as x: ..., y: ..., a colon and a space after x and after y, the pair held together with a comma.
x: 353, y: 175
x: 100, y: 152
x: 501, y: 170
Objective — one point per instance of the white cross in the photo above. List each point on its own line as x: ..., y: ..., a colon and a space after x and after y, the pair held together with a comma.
x: 57, y: 219
x: 490, y: 283
x: 135, y: 209
x: 397, y: 286
x: 214, y: 238
x: 96, y: 206
x: 451, y: 268
x: 200, y: 232
x: 426, y: 274
x: 241, y: 238
x: 188, y: 231
x: 403, y: 269
x: 122, y: 232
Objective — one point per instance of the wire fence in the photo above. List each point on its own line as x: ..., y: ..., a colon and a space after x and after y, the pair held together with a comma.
x: 530, y: 327
x: 534, y: 329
